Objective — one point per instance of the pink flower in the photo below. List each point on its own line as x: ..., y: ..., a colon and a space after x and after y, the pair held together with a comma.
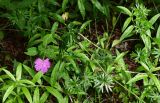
x: 42, y: 65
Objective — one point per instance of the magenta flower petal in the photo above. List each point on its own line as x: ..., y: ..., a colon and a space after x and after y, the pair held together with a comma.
x: 42, y: 65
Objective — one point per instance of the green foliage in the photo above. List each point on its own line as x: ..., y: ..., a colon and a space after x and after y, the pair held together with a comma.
x: 86, y: 64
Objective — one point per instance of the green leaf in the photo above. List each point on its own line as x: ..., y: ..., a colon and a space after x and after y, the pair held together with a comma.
x: 57, y: 17
x: 127, y: 33
x: 156, y: 81
x: 19, y: 71
x: 97, y: 4
x: 47, y: 39
x: 64, y: 4
x: 9, y: 74
x: 36, y: 95
x: 19, y: 99
x: 27, y: 94
x: 55, y: 93
x: 44, y: 97
x: 37, y: 77
x: 55, y: 73
x: 124, y: 10
x: 126, y: 23
x: 81, y: 8
x: 29, y: 70
x: 115, y: 42
x: 54, y: 27
x: 137, y: 78
x: 154, y: 19
x: 34, y: 37
x: 145, y: 66
x: 31, y: 51
x: 8, y: 92
x: 82, y: 56
x: 158, y: 33
x: 84, y: 25
x: 74, y: 65
x: 25, y: 81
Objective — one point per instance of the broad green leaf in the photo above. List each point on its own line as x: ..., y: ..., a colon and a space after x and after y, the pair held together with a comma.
x: 55, y: 93
x: 115, y: 42
x: 31, y: 51
x: 19, y: 71
x: 34, y: 37
x: 84, y: 25
x: 97, y: 4
x: 148, y: 32
x: 9, y: 74
x: 81, y: 8
x: 47, y: 39
x: 44, y: 97
x: 54, y: 27
x: 29, y: 70
x: 8, y: 92
x: 126, y: 23
x: 25, y: 81
x: 57, y: 17
x: 127, y: 33
x: 124, y: 10
x: 36, y: 95
x: 137, y: 78
x: 158, y: 33
x: 37, y: 77
x: 27, y: 94
x: 92, y: 65
x: 156, y: 81
x: 147, y: 41
x: 82, y: 56
x: 19, y: 99
x: 55, y: 73
x: 64, y: 4
x: 154, y: 18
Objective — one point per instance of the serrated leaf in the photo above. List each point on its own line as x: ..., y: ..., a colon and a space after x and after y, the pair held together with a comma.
x: 154, y: 19
x: 127, y: 33
x: 124, y: 10
x: 19, y: 71
x: 55, y: 93
x: 8, y: 92
x: 137, y: 78
x: 44, y: 97
x: 84, y: 25
x: 31, y: 51
x: 27, y: 94
x: 37, y: 77
x: 9, y: 74
x: 36, y: 95
x: 54, y: 27
x: 81, y: 8
x: 64, y: 4
x: 126, y: 23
